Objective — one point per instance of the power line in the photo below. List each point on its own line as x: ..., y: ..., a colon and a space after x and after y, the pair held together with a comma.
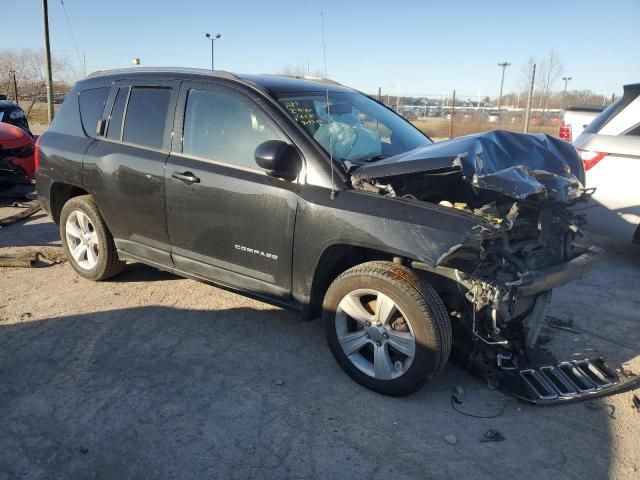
x: 73, y: 38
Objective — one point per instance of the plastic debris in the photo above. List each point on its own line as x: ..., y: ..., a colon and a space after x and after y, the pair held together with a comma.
x: 451, y: 439
x: 492, y: 436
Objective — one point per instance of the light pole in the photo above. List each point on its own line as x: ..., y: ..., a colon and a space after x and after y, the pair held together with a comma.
x: 504, y: 66
x: 564, y: 94
x: 213, y: 38
x: 15, y: 86
x: 47, y: 60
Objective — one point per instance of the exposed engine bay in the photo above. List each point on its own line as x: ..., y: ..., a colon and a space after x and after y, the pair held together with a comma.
x: 521, y: 188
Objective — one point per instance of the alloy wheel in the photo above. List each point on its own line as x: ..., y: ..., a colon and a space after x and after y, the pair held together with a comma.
x: 374, y: 334
x: 82, y: 240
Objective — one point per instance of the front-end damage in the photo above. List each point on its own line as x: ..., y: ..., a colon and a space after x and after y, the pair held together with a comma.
x: 499, y: 280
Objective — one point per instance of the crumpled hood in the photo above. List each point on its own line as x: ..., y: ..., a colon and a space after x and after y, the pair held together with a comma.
x: 514, y: 164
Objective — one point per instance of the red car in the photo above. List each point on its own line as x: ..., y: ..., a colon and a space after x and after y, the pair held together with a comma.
x: 17, y: 164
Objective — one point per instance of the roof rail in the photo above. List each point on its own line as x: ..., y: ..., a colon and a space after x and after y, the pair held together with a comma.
x: 310, y: 78
x: 133, y: 70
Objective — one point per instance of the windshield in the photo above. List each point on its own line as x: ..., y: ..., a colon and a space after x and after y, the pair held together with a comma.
x: 361, y: 130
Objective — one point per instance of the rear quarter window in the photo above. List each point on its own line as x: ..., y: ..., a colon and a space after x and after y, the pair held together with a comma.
x: 92, y: 103
x: 67, y: 119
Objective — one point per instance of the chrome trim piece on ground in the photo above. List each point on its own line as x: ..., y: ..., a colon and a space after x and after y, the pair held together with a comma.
x: 572, y: 381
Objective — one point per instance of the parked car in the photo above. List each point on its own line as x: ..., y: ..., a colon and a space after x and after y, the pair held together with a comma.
x: 16, y: 162
x: 575, y: 119
x: 277, y: 188
x: 610, y: 149
x: 14, y: 115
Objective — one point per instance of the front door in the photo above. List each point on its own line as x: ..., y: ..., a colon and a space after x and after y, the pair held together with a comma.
x: 227, y: 220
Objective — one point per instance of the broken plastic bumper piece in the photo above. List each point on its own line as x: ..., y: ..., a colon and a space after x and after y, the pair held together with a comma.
x: 536, y: 282
x: 569, y: 381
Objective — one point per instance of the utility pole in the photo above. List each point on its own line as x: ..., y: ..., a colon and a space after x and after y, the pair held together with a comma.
x: 15, y: 86
x: 453, y: 108
x: 398, y: 98
x: 564, y: 94
x: 84, y: 64
x: 504, y: 66
x: 213, y: 38
x: 532, y: 77
x: 47, y: 54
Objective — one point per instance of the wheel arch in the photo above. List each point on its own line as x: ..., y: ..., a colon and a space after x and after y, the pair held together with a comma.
x: 337, y: 258
x: 59, y: 194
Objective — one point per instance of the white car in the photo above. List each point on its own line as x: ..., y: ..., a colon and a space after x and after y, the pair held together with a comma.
x: 575, y: 119
x: 610, y: 150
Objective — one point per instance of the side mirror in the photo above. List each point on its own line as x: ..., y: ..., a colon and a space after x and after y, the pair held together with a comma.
x: 279, y: 159
x: 101, y: 127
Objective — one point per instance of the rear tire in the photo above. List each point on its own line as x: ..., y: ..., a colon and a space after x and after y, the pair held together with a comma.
x: 398, y: 306
x: 87, y: 241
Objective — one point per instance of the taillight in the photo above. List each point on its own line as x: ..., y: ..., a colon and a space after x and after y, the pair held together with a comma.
x: 590, y: 158
x: 36, y: 154
x: 565, y: 131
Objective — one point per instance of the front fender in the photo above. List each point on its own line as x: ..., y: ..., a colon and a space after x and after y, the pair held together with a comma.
x: 417, y: 230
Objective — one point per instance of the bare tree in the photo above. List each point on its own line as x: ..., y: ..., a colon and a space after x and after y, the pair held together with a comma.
x: 549, y: 72
x: 29, y: 68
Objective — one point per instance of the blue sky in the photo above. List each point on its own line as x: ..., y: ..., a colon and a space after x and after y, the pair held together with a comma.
x: 422, y: 47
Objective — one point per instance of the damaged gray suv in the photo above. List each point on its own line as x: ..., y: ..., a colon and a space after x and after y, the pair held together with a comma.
x: 315, y: 197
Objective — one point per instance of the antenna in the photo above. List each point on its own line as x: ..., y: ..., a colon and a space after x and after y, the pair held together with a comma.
x: 324, y: 54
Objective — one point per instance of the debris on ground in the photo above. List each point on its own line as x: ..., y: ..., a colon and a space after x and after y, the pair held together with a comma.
x: 25, y: 261
x: 458, y: 394
x: 560, y: 324
x: 279, y: 382
x: 593, y: 406
x: 32, y: 258
x: 492, y: 436
x: 451, y: 439
x: 636, y: 402
x: 29, y: 209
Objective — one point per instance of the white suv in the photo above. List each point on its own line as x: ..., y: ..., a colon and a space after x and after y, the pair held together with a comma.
x: 610, y: 150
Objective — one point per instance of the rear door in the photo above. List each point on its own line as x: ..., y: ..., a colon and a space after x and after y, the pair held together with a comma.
x: 227, y: 219
x: 124, y: 169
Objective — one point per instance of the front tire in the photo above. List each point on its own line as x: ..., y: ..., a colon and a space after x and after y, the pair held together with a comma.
x: 387, y: 328
x: 87, y: 241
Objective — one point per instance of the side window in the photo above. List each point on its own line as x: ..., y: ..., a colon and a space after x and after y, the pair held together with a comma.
x: 91, y: 106
x: 146, y: 116
x: 114, y: 130
x: 224, y: 128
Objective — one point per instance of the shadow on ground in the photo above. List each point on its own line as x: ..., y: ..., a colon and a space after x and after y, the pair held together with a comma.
x: 33, y: 231
x: 158, y: 392
x: 221, y: 389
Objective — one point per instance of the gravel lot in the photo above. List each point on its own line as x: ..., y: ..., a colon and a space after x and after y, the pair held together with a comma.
x: 154, y: 376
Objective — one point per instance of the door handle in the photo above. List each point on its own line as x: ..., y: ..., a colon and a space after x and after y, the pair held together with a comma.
x: 186, y: 177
